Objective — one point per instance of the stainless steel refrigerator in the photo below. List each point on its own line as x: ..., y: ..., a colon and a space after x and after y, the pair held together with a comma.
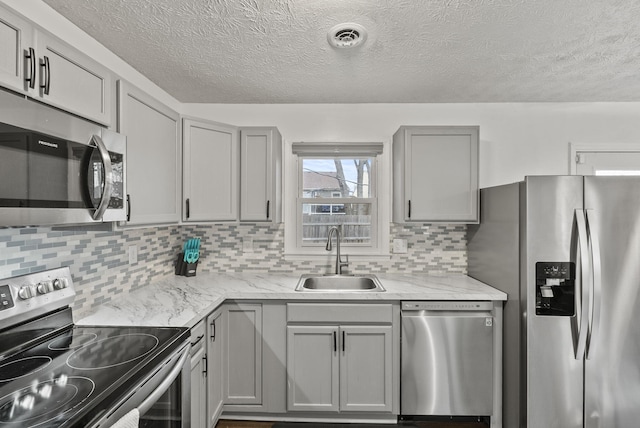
x: 566, y: 250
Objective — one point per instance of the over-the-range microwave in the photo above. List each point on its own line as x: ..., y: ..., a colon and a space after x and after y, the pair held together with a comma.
x: 56, y: 168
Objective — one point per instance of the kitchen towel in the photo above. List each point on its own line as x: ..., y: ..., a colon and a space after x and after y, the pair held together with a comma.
x: 130, y: 420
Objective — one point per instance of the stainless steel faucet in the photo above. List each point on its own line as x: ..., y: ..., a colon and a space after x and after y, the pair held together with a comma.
x: 339, y: 263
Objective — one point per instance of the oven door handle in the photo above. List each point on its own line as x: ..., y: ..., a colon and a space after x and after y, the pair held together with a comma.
x: 166, y: 383
x: 108, y: 178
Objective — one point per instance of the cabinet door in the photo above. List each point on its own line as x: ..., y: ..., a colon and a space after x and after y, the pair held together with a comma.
x: 215, y: 368
x: 210, y: 171
x: 366, y: 368
x: 261, y: 174
x: 153, y: 157
x: 198, y: 390
x: 243, y: 354
x: 72, y: 81
x: 436, y: 169
x: 16, y: 37
x: 312, y: 368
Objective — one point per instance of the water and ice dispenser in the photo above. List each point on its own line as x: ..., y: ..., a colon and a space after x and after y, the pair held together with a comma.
x: 555, y: 288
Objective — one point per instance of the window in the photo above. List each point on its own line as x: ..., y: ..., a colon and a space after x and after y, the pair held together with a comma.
x: 604, y: 159
x: 336, y: 186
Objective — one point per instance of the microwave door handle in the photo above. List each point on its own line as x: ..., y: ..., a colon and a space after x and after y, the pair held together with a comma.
x: 166, y: 383
x: 583, y: 297
x: 594, y: 246
x: 108, y: 178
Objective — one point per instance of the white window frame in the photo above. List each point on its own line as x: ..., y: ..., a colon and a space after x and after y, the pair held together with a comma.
x: 381, y: 192
x: 575, y: 148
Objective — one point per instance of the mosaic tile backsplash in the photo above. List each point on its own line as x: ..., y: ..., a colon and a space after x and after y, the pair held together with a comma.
x: 99, y: 260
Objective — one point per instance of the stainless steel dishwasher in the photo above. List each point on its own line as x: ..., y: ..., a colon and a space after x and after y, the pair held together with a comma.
x: 447, y: 358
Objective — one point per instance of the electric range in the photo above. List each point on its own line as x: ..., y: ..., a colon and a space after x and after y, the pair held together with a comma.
x: 56, y: 374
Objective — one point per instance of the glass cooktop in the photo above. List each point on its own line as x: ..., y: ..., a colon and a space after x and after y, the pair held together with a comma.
x: 59, y: 381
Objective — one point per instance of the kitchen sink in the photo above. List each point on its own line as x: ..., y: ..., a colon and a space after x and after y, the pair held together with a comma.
x: 339, y: 283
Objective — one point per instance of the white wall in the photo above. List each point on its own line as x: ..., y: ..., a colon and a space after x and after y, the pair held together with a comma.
x: 516, y: 139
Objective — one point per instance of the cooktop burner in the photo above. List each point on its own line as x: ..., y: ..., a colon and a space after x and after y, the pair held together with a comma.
x: 71, y: 341
x: 112, y: 351
x: 22, y: 367
x: 45, y: 401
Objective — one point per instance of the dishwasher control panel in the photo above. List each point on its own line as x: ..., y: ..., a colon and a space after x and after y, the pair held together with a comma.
x: 447, y: 306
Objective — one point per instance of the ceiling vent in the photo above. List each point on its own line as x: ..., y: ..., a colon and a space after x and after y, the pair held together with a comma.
x: 347, y: 35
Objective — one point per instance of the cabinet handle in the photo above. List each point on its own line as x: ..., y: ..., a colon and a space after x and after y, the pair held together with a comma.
x: 204, y: 365
x: 128, y: 207
x: 409, y: 215
x: 46, y: 74
x: 268, y: 209
x: 335, y: 342
x: 31, y: 56
x: 213, y: 330
x: 188, y: 208
x: 343, y: 341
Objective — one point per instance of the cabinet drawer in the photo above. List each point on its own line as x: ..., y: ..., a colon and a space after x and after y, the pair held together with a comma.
x: 340, y: 312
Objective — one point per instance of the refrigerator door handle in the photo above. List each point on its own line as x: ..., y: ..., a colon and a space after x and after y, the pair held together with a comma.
x: 596, y: 263
x: 584, y: 294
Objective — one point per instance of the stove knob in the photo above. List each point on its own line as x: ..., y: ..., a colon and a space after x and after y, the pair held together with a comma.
x: 45, y: 287
x: 60, y: 283
x: 26, y: 292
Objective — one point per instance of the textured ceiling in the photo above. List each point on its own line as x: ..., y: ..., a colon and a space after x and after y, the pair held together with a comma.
x: 276, y: 51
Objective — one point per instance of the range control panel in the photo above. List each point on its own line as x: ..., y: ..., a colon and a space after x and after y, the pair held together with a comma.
x: 6, y: 300
x: 27, y: 296
x: 555, y: 288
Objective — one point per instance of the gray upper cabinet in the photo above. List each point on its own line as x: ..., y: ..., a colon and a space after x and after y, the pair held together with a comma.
x: 260, y: 174
x: 435, y: 174
x: 210, y: 183
x: 37, y: 64
x: 16, y: 40
x: 72, y: 81
x: 153, y: 157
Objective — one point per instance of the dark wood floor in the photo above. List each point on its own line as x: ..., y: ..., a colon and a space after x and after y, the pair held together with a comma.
x: 412, y: 424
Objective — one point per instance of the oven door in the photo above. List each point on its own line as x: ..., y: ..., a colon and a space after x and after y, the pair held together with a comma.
x: 163, y: 398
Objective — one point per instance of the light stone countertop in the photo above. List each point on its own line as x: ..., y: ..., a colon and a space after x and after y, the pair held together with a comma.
x: 179, y: 301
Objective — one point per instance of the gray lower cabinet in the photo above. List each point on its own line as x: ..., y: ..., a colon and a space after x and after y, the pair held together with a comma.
x: 242, y: 338
x: 198, y: 377
x: 313, y: 368
x: 342, y: 358
x: 215, y: 368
